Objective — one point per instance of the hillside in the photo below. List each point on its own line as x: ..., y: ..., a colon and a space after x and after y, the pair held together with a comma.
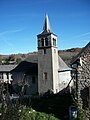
x: 66, y: 55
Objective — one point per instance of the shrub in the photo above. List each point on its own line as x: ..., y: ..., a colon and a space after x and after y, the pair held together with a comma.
x: 23, y: 113
x: 30, y: 114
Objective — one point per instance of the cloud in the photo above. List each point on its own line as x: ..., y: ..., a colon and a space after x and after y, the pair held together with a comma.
x: 86, y: 40
x: 82, y: 35
x: 5, y: 39
x: 10, y: 32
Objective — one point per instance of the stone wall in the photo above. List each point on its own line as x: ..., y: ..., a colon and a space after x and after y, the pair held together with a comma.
x: 83, y: 77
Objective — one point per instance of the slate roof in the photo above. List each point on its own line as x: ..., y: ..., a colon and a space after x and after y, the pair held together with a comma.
x: 80, y: 53
x: 62, y: 65
x: 7, y: 68
x: 30, y: 64
x: 33, y: 58
x: 46, y: 28
x: 26, y: 67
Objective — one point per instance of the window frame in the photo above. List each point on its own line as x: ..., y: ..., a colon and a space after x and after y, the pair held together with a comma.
x: 45, y: 77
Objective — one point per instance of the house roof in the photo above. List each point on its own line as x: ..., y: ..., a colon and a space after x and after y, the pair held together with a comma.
x: 33, y: 58
x: 7, y: 68
x: 80, y: 53
x: 62, y: 65
x: 31, y: 64
x: 26, y: 67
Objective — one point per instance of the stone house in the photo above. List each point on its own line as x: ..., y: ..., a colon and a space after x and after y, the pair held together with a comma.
x: 81, y: 67
x: 5, y: 75
x: 45, y: 70
x: 26, y: 74
x: 6, y: 78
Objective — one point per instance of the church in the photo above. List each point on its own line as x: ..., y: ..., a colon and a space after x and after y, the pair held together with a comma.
x: 44, y: 70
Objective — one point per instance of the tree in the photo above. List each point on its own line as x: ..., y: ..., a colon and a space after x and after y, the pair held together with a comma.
x: 12, y: 57
x: 18, y: 60
x: 1, y: 58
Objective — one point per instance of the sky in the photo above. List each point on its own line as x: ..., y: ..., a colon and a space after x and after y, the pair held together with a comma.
x: 22, y: 20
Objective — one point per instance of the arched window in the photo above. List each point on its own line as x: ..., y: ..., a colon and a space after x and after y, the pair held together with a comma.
x: 38, y: 43
x: 44, y: 51
x: 42, y: 42
x: 54, y: 42
x: 46, y: 41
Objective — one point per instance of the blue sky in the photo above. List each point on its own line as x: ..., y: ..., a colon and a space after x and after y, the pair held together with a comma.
x: 22, y: 20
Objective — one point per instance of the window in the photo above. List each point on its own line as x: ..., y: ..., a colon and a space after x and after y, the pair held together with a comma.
x: 54, y: 41
x: 7, y: 75
x: 49, y: 42
x: 1, y: 75
x: 38, y: 43
x: 54, y: 50
x: 45, y: 75
x: 44, y: 51
x: 46, y: 41
x: 42, y: 42
x: 33, y: 79
x: 11, y: 77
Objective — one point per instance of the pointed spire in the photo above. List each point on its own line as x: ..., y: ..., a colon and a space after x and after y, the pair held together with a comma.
x: 47, y: 27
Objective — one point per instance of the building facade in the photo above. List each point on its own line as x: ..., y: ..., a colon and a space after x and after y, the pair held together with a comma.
x: 47, y: 59
x: 51, y: 72
x: 5, y: 75
x: 81, y: 66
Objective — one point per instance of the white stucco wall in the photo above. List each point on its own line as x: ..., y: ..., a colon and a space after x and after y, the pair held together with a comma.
x: 44, y: 65
x: 64, y: 79
x: 48, y: 63
x: 6, y: 79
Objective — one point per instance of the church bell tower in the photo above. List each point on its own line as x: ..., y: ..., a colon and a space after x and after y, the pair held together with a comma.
x: 47, y: 60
